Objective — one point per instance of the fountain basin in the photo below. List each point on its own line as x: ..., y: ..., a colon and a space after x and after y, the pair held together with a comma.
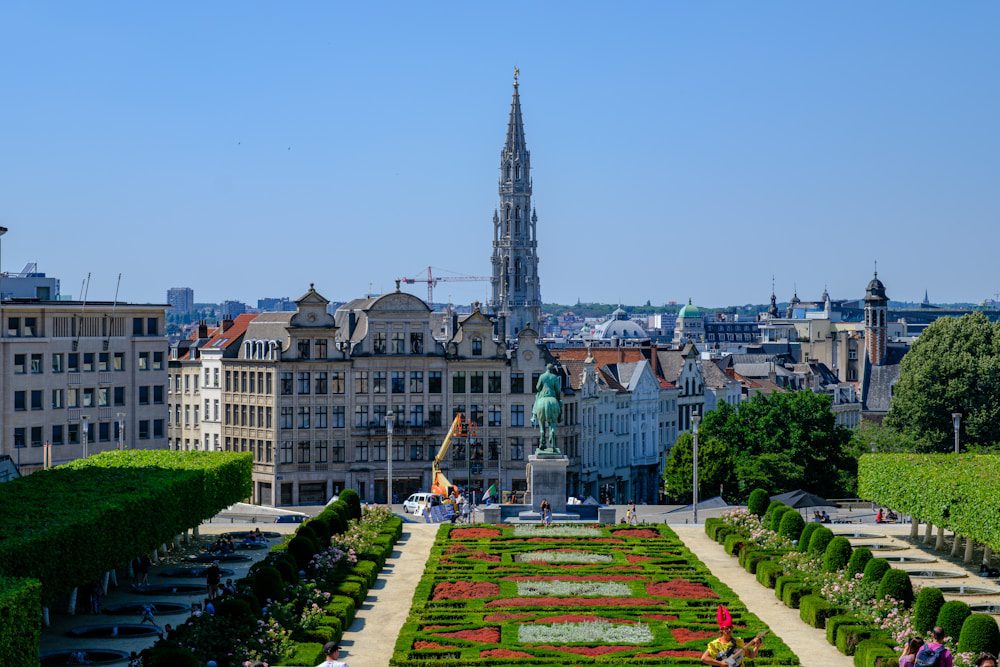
x: 909, y: 559
x: 967, y: 590
x: 857, y: 535
x: 112, y: 631
x: 136, y: 608
x: 243, y: 534
x: 878, y: 546
x: 985, y: 608
x: 170, y: 589
x: 197, y: 572
x: 222, y: 558
x: 935, y: 574
x: 252, y: 546
x: 91, y: 656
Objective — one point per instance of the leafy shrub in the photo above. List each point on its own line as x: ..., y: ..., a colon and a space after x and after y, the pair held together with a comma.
x: 352, y: 500
x: 782, y: 581
x: 267, y: 584
x: 820, y: 539
x: 835, y: 622
x: 791, y: 525
x: 952, y: 616
x: 234, y: 608
x: 876, y: 569
x: 754, y: 557
x: 286, y: 568
x: 868, y: 651
x: 793, y: 592
x: 768, y: 572
x: 774, y: 520
x: 771, y: 506
x: 711, y: 525
x: 979, y: 634
x: 171, y: 656
x: 734, y: 543
x: 926, y: 608
x: 896, y: 584
x: 302, y: 549
x: 837, y: 554
x: 849, y: 635
x: 859, y: 559
x: 306, y: 653
x: 339, y: 517
x: 807, y: 532
x: 305, y: 530
x: 758, y: 502
x: 722, y: 532
x: 814, y: 610
x: 366, y: 570
x: 20, y: 620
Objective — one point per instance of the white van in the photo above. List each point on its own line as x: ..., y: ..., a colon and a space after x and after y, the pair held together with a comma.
x: 416, y: 502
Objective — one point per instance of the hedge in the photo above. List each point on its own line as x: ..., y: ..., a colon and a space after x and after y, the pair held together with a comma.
x: 734, y: 544
x: 952, y: 616
x: 814, y: 610
x: 896, y: 584
x: 875, y: 653
x: 774, y: 519
x: 820, y: 539
x: 876, y: 569
x: 793, y: 592
x: 95, y: 514
x: 20, y: 621
x: 859, y: 559
x: 837, y: 554
x: 758, y: 502
x: 768, y: 572
x: 806, y: 535
x: 943, y: 489
x: 926, y: 608
x: 791, y: 525
x: 834, y: 622
x: 979, y: 634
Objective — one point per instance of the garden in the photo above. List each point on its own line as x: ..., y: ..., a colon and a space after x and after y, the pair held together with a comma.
x: 867, y: 608
x: 568, y: 595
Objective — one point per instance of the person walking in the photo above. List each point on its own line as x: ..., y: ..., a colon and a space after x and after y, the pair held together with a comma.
x: 332, y: 651
x: 631, y: 517
x: 935, y: 652
x: 546, y: 509
x: 145, y: 565
x: 213, y: 575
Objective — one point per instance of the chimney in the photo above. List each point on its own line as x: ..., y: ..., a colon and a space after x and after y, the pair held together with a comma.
x: 621, y: 353
x: 654, y: 360
x: 202, y: 329
x: 226, y: 324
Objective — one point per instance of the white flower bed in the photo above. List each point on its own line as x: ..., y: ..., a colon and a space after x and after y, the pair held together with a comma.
x: 573, y: 588
x: 598, y: 632
x: 556, y: 531
x: 562, y: 557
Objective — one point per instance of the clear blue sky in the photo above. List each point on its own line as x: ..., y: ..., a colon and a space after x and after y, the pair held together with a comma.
x: 679, y: 149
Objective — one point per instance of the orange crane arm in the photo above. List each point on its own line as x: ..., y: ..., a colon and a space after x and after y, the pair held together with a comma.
x: 440, y: 483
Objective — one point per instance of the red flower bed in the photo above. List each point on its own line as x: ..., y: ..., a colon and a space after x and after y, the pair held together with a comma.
x: 572, y: 602
x: 488, y: 635
x: 678, y: 588
x: 504, y: 653
x: 633, y: 558
x: 574, y: 577
x: 673, y: 653
x: 637, y: 532
x: 474, y: 533
x: 435, y: 627
x: 590, y: 651
x: 660, y: 617
x: 581, y: 618
x: 683, y: 635
x: 425, y: 644
x: 505, y: 616
x: 606, y: 540
x: 465, y: 590
x: 485, y: 557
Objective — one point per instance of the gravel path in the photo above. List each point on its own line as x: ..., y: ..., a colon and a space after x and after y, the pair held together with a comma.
x: 808, y: 643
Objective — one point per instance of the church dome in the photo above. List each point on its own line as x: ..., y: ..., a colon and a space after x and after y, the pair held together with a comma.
x: 690, y: 310
x: 619, y: 326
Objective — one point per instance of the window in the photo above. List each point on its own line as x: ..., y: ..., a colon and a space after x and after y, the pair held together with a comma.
x: 20, y: 435
x: 57, y: 363
x: 434, y: 415
x: 215, y: 376
x: 378, y: 343
x: 494, y: 417
x: 267, y: 378
x: 158, y: 399
x: 458, y: 382
x: 361, y: 382
x: 57, y: 434
x: 517, y: 383
x: 104, y: 431
x: 20, y: 364
x: 229, y: 381
x: 119, y: 361
x: 88, y: 397
x: 14, y: 329
x: 267, y: 417
x: 378, y: 382
x: 253, y: 382
x: 458, y: 451
x: 416, y: 382
x: 119, y: 395
x: 286, y: 451
x: 143, y: 395
x: 72, y: 397
x: 73, y: 434
x: 416, y: 451
x: 284, y: 416
x: 303, y: 348
x: 398, y: 451
x: 144, y: 362
x: 137, y: 326
x: 378, y: 414
x: 103, y: 397
x: 304, y: 450
x: 243, y: 382
x: 398, y: 382
x: 31, y: 326
x: 416, y: 415
x: 158, y: 428
x: 73, y: 362
x: 322, y: 448
x: 517, y: 449
x: 416, y: 343
x: 434, y: 382
x: 379, y: 450
x: 103, y: 362
x: 360, y: 416
x: 144, y: 429
x: 398, y: 344
x: 477, y: 347
x: 319, y: 417
x: 494, y: 449
x: 36, y: 364
x: 57, y: 399
x: 321, y: 384
x: 494, y: 384
x: 337, y: 416
x: 516, y: 415
x: 36, y: 436
x: 321, y: 347
x: 158, y: 365
x: 476, y: 382
x: 476, y: 412
x: 360, y: 450
x: 337, y: 451
x: 285, y: 379
x: 336, y: 382
x: 303, y: 382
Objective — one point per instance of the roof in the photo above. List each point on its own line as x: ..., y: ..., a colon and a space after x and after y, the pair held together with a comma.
x: 219, y: 339
x: 689, y: 310
x: 876, y: 385
x: 567, y: 356
x: 270, y: 326
x: 713, y: 375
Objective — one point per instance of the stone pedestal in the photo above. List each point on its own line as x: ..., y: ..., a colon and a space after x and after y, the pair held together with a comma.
x: 493, y: 514
x: 607, y: 515
x: 547, y: 480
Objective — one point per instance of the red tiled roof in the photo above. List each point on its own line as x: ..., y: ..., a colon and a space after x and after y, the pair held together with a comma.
x: 614, y: 355
x: 230, y: 335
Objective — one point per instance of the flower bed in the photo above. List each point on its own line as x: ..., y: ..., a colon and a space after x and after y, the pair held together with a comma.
x: 632, y: 597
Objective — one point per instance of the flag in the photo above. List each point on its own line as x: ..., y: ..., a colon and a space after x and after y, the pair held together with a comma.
x: 490, y: 492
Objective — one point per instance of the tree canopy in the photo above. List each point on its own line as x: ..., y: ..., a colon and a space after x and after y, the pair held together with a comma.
x: 954, y: 366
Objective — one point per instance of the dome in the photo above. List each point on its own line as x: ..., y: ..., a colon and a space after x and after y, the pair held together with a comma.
x: 875, y: 290
x: 619, y: 326
x: 690, y: 310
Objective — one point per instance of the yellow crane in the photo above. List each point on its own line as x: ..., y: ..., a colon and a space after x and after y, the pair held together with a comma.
x: 460, y: 428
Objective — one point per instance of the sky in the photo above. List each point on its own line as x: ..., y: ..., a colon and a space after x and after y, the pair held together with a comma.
x: 679, y: 150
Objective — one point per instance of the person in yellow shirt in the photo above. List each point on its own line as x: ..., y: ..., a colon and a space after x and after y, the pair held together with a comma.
x: 728, y: 651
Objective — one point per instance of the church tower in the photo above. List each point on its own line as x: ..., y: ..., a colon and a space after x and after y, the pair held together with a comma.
x: 516, y: 293
x: 876, y: 309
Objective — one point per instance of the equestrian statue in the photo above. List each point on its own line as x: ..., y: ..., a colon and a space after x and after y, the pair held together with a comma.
x: 547, y: 410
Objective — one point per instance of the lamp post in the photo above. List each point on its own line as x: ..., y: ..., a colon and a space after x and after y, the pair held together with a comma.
x: 695, y: 420
x: 3, y: 230
x: 121, y: 430
x: 83, y: 427
x: 390, y: 420
x: 956, y: 420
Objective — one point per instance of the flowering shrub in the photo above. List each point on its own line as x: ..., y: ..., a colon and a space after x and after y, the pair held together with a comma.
x: 600, y: 632
x: 749, y: 526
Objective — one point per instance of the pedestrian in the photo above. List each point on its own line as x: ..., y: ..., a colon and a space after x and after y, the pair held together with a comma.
x: 546, y: 509
x: 935, y: 652
x: 332, y: 651
x: 986, y: 660
x: 134, y: 660
x: 630, y: 515
x: 910, y: 652
x: 148, y: 614
x: 145, y: 564
x: 213, y: 575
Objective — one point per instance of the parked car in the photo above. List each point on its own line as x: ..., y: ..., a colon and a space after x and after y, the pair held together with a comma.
x: 416, y: 502
x: 291, y: 518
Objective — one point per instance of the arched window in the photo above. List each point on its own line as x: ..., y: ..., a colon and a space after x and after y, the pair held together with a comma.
x: 518, y: 274
x: 517, y: 172
x: 517, y: 213
x: 508, y: 171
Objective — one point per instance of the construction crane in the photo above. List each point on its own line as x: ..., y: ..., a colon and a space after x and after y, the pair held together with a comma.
x: 433, y: 280
x: 460, y: 428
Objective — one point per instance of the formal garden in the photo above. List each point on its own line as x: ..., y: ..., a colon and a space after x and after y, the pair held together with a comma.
x: 568, y: 595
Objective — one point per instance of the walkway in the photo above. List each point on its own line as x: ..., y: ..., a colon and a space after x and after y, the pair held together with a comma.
x: 808, y: 643
x: 370, y: 640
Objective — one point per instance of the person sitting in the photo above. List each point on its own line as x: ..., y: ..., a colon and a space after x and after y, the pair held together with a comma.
x: 728, y: 651
x: 826, y: 517
x: 891, y: 516
x: 878, y: 516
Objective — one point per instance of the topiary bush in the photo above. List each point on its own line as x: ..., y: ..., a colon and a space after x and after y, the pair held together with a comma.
x: 835, y: 622
x: 287, y: 569
x: 771, y: 506
x: 733, y: 544
x: 235, y: 608
x: 951, y: 617
x: 302, y: 549
x: 896, y: 584
x: 815, y: 609
x: 267, y: 584
x: 859, y: 559
x: 805, y: 536
x: 979, y: 635
x: 171, y: 656
x: 758, y: 502
x: 352, y: 500
x: 774, y: 520
x: 791, y: 526
x: 837, y: 554
x: 926, y: 608
x: 876, y: 569
x: 818, y: 542
x: 768, y: 572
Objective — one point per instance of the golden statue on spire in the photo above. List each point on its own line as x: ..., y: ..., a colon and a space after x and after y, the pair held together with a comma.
x: 517, y: 73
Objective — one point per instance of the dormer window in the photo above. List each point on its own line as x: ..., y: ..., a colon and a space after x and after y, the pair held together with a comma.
x: 477, y: 347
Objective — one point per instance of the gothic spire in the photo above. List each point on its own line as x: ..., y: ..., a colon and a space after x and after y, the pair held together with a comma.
x: 515, y: 143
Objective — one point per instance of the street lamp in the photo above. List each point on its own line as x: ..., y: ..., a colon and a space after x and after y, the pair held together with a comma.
x: 3, y: 230
x: 83, y: 427
x: 390, y: 420
x: 695, y: 420
x: 956, y: 419
x: 121, y: 430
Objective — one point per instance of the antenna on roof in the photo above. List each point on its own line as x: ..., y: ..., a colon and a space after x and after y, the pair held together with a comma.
x: 84, y: 290
x: 114, y: 306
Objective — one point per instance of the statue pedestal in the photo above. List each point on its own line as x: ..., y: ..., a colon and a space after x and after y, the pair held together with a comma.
x: 547, y: 480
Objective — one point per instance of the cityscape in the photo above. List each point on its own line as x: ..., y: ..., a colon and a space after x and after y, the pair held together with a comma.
x: 415, y: 436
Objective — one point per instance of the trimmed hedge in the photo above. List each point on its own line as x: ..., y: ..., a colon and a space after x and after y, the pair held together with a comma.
x: 807, y: 532
x: 859, y: 559
x: 926, y: 608
x: 896, y: 584
x: 876, y: 569
x: 791, y: 525
x: 734, y: 544
x: 849, y: 636
x: 834, y: 622
x: 952, y: 616
x: 352, y: 500
x: 793, y: 592
x: 771, y: 506
x: 777, y: 514
x: 768, y: 572
x: 814, y: 610
x: 875, y: 653
x: 758, y: 502
x: 821, y: 537
x: 943, y: 489
x: 20, y: 621
x: 979, y: 634
x: 837, y: 554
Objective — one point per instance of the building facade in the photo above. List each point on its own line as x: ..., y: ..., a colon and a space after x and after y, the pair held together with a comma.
x: 181, y: 299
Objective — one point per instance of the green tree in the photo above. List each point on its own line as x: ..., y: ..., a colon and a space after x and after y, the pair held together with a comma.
x: 953, y: 367
x: 714, y: 468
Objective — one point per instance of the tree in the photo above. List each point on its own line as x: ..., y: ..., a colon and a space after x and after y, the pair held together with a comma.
x: 953, y: 367
x: 714, y: 468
